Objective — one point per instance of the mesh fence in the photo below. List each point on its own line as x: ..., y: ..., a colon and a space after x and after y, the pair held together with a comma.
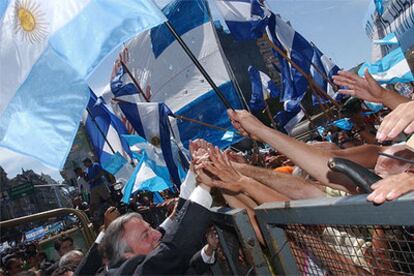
x: 351, y: 249
x: 231, y: 258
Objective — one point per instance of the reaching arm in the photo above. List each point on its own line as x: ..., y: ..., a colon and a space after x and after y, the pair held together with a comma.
x: 311, y: 159
x: 229, y: 179
x: 291, y: 186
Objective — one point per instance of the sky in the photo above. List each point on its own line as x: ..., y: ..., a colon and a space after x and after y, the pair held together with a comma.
x: 335, y: 26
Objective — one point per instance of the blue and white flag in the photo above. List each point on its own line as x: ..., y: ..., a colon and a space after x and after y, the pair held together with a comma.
x: 150, y: 121
x: 288, y: 120
x: 392, y: 68
x: 246, y: 19
x: 389, y: 39
x: 163, y: 65
x: 102, y: 122
x: 143, y: 179
x: 48, y: 49
x: 154, y: 156
x: 298, y: 49
x: 323, y: 68
x: 263, y: 88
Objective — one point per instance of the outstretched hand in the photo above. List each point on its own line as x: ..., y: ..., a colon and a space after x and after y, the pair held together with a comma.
x: 199, y: 151
x: 392, y: 187
x: 399, y: 120
x: 364, y: 88
x: 245, y: 123
x: 226, y: 177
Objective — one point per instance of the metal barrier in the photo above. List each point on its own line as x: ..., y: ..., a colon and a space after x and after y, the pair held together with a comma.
x: 347, y: 235
x: 88, y: 235
x: 242, y: 254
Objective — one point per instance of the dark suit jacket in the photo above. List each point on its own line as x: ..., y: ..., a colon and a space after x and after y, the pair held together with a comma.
x: 177, y: 247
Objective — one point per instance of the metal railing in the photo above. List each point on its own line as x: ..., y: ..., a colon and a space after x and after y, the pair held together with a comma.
x: 346, y: 235
x: 241, y: 251
x: 88, y: 235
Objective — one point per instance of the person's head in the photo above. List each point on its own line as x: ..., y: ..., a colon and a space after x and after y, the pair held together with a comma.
x: 79, y: 171
x: 73, y: 257
x: 87, y: 162
x: 63, y: 245
x: 128, y: 236
x: 13, y: 264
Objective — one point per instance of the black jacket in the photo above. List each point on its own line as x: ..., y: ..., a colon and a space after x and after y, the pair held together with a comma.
x: 174, y: 255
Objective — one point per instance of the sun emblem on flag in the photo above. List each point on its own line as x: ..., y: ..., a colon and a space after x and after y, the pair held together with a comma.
x: 30, y: 21
x: 155, y: 141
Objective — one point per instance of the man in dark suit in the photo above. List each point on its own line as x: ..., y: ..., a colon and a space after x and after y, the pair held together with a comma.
x: 132, y: 246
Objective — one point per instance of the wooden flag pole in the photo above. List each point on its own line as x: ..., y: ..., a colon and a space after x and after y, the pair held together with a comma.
x: 180, y: 117
x: 140, y: 91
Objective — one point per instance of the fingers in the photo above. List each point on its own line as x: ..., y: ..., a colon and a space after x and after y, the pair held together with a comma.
x: 399, y: 120
x: 349, y: 92
x: 409, y: 129
x: 343, y: 81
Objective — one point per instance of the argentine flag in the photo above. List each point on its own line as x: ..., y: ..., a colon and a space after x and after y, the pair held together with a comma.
x: 48, y: 49
x: 153, y: 156
x: 150, y: 121
x: 143, y: 179
x: 392, y: 68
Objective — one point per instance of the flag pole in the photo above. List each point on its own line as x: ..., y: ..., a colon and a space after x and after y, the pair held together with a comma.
x: 134, y: 80
x: 198, y: 65
x: 184, y: 118
x: 100, y: 130
x: 269, y: 114
x: 314, y: 87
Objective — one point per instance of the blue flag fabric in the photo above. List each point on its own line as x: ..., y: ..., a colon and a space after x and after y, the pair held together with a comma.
x: 246, y: 19
x: 344, y: 124
x: 184, y: 16
x: 263, y: 88
x: 379, y: 7
x: 143, y: 179
x: 101, y: 121
x: 45, y: 93
x: 299, y: 50
x: 154, y: 157
x: 390, y: 69
x: 286, y: 121
x: 119, y: 87
x: 326, y: 69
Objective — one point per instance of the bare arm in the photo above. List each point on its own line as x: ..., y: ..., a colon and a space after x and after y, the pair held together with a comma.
x: 229, y: 179
x: 291, y: 186
x: 311, y: 159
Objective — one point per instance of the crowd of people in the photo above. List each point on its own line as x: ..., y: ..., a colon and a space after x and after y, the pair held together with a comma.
x: 289, y: 169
